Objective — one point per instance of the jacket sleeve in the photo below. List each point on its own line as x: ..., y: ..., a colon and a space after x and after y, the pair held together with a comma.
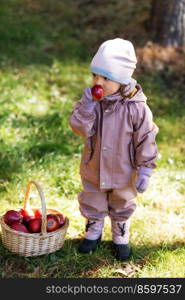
x: 145, y: 131
x: 83, y: 117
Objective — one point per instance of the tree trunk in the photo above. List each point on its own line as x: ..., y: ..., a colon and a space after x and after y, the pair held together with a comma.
x: 167, y: 22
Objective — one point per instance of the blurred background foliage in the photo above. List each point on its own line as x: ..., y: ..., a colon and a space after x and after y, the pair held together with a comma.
x: 67, y: 28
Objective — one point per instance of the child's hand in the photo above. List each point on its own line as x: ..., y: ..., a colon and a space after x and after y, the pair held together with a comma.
x: 142, y: 183
x: 87, y: 102
x: 87, y: 96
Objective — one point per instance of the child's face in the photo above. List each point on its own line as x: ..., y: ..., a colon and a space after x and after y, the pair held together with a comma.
x: 110, y: 87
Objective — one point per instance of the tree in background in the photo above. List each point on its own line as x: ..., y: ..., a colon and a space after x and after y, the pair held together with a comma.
x: 168, y: 22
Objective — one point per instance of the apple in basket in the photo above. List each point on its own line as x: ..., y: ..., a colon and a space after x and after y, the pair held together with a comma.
x: 52, y: 222
x: 19, y: 227
x: 12, y: 216
x: 27, y: 214
x: 61, y: 219
x: 37, y: 212
x: 34, y: 225
x: 60, y: 216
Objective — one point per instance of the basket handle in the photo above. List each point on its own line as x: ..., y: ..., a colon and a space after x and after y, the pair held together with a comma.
x: 43, y: 202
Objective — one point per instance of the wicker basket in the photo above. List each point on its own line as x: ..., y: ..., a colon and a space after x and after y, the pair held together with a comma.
x: 33, y: 244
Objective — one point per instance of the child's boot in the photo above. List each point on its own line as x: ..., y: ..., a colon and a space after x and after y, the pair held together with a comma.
x: 120, y: 236
x: 92, y: 237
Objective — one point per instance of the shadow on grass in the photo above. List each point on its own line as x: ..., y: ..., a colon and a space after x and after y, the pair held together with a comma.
x: 69, y: 263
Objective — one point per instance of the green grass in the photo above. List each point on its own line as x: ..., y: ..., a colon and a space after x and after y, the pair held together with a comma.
x: 42, y: 75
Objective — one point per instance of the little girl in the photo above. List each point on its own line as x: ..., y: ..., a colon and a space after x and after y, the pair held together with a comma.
x: 120, y: 149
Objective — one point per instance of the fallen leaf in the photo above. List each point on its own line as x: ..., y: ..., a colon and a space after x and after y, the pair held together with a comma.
x: 120, y: 272
x: 128, y: 270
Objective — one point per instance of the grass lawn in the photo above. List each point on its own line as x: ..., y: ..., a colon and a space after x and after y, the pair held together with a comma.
x: 38, y: 89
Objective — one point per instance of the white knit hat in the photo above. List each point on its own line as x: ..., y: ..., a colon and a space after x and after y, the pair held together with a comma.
x: 116, y: 60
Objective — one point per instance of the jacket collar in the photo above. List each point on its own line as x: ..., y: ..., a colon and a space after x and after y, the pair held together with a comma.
x: 115, y: 97
x: 138, y: 97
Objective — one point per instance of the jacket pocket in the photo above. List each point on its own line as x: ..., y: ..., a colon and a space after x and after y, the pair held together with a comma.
x: 132, y: 155
x: 88, y: 150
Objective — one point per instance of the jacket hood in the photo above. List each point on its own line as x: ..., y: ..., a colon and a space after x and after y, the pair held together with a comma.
x: 138, y: 97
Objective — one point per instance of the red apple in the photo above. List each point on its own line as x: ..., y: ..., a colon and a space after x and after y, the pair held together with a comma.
x: 26, y: 219
x: 37, y: 212
x: 97, y: 92
x: 23, y: 212
x: 34, y: 225
x: 27, y: 214
x: 52, y: 222
x: 19, y: 227
x: 12, y: 216
x: 61, y: 219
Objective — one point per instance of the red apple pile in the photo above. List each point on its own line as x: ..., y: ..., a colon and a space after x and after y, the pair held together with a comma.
x: 30, y: 221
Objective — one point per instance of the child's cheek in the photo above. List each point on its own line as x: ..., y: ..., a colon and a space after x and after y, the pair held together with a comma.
x: 109, y: 91
x: 106, y: 91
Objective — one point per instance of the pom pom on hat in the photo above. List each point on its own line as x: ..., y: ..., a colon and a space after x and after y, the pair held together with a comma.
x: 116, y: 60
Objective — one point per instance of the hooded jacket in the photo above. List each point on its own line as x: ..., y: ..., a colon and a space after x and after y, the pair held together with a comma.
x: 119, y: 138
